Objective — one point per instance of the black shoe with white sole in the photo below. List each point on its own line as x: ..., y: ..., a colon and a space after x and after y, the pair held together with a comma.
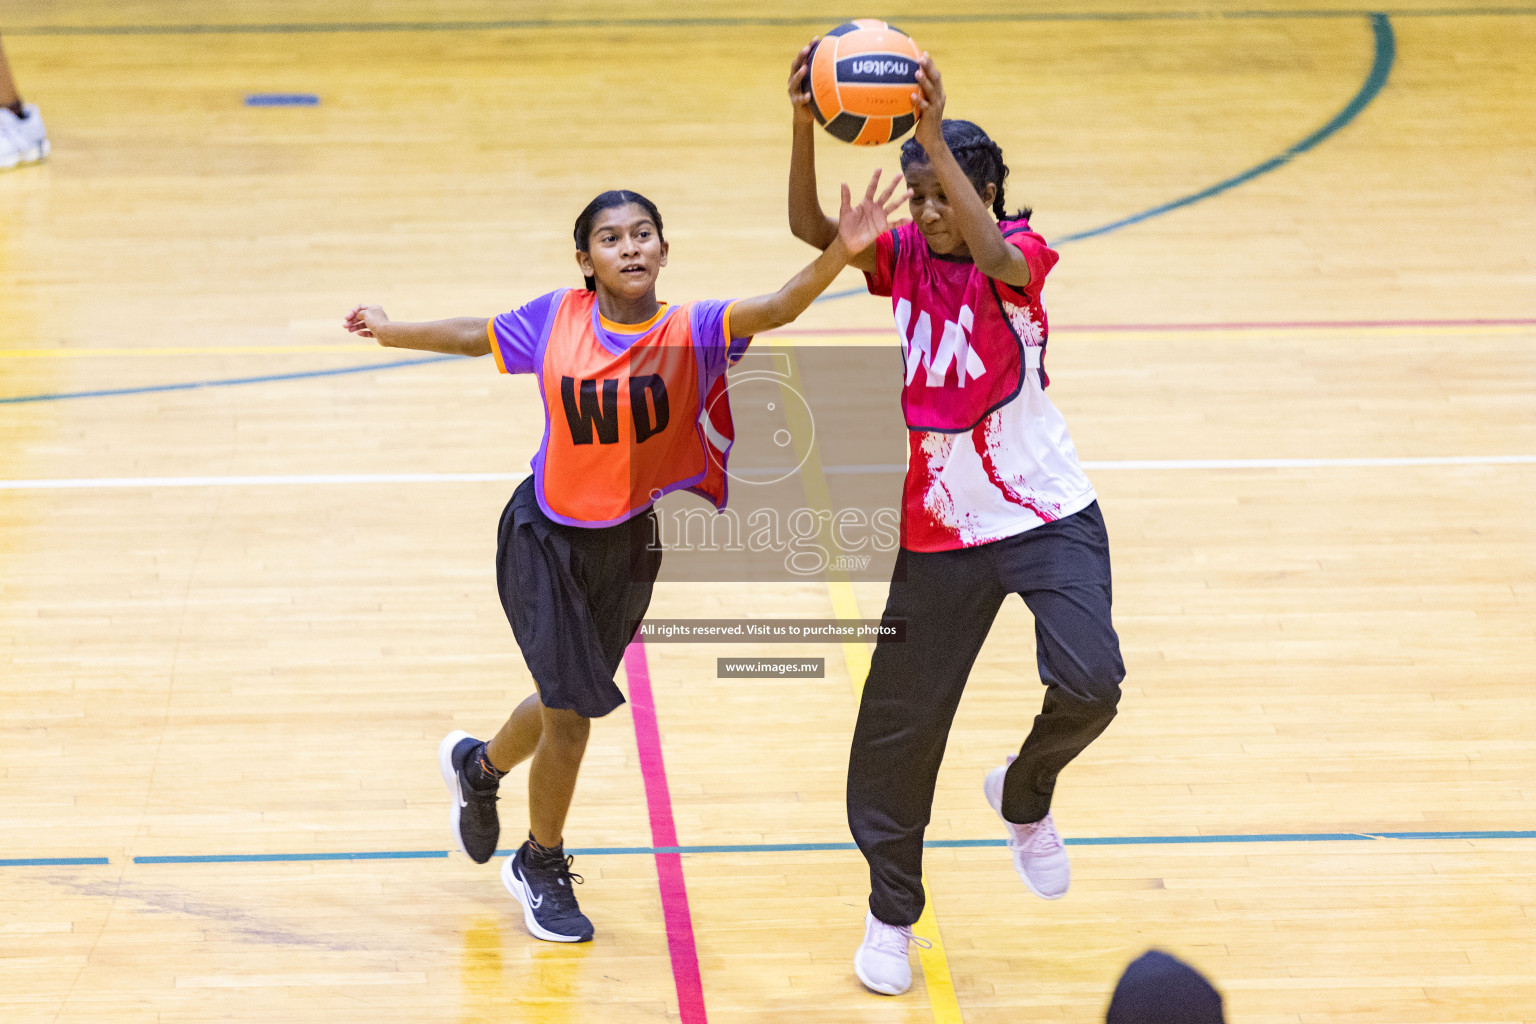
x: 472, y: 812
x: 543, y: 885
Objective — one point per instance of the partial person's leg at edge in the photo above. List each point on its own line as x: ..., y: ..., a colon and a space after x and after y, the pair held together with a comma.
x: 8, y: 95
x: 23, y: 137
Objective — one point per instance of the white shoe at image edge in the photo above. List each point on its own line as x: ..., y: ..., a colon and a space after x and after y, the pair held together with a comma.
x: 23, y: 140
x: 1039, y: 855
x: 881, y: 962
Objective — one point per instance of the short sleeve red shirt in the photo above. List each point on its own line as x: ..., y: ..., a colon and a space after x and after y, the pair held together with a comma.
x: 990, y: 455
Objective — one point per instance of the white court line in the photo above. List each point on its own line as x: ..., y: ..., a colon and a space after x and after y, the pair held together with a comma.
x: 255, y: 481
x: 453, y: 478
x: 1426, y: 460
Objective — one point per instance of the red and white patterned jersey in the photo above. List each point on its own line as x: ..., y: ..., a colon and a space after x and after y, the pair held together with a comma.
x: 989, y: 455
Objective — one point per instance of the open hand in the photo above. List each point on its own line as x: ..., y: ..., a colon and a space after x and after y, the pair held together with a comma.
x: 859, y: 226
x: 363, y: 320
x: 799, y: 85
x: 929, y: 103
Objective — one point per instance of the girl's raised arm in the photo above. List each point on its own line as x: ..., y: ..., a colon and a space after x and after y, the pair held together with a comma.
x: 857, y: 229
x: 992, y: 255
x: 807, y: 222
x: 461, y: 336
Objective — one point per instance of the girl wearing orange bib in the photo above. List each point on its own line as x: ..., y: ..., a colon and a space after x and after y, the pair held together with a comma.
x: 634, y: 408
x: 623, y: 404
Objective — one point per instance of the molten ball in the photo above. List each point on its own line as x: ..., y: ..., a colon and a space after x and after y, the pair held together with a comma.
x: 861, y: 80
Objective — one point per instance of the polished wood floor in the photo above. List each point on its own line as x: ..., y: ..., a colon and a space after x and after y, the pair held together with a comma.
x: 226, y: 669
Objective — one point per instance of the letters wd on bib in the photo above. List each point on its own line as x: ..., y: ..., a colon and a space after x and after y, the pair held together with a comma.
x: 631, y: 411
x: 624, y: 424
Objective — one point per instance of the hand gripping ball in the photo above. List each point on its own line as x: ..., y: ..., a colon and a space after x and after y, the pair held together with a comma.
x: 861, y: 80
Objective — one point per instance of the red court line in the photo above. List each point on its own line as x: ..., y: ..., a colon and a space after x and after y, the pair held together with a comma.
x: 669, y: 866
x: 1290, y: 325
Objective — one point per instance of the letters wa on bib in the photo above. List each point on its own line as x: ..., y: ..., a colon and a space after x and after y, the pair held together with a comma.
x: 989, y: 454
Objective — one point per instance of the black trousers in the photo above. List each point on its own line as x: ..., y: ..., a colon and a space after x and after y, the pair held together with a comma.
x: 949, y: 600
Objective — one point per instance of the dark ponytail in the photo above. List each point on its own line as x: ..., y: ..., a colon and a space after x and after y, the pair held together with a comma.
x: 978, y: 156
x: 607, y: 201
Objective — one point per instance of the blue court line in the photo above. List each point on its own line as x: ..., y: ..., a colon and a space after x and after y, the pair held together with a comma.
x: 807, y: 21
x: 282, y: 99
x: 224, y: 383
x: 932, y: 844
x: 1381, y: 68
x: 954, y: 844
x: 251, y: 858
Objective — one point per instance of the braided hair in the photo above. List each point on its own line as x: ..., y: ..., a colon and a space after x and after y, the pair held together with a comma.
x: 978, y: 156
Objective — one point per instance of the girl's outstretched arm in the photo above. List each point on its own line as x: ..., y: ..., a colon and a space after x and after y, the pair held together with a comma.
x: 857, y: 229
x: 807, y: 222
x: 461, y: 336
x: 992, y: 255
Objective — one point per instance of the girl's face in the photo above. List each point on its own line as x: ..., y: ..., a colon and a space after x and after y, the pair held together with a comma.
x: 625, y: 252
x: 931, y: 213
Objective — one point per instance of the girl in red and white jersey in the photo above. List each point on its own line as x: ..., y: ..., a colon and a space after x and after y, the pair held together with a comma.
x: 633, y: 401
x: 995, y: 502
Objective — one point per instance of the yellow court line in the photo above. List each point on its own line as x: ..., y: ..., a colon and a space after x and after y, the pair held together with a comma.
x: 845, y: 605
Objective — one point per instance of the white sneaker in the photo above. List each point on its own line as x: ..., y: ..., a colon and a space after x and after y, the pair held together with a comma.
x: 881, y: 962
x: 1039, y: 855
x: 23, y: 140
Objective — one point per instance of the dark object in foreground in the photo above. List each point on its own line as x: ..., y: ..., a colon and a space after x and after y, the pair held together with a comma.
x: 1160, y: 989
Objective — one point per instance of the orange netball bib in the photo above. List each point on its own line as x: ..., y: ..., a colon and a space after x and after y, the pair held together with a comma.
x: 622, y: 425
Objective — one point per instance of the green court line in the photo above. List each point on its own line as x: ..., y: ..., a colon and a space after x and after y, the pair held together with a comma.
x: 932, y: 844
x: 1375, y: 81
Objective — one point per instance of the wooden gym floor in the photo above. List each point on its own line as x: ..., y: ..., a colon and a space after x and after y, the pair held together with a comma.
x: 1321, y: 787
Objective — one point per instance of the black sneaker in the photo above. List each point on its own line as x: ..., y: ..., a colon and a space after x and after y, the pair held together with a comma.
x: 472, y: 812
x: 545, y: 891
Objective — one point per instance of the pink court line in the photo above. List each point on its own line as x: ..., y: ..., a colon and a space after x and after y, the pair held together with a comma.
x: 669, y: 866
x: 1288, y: 325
